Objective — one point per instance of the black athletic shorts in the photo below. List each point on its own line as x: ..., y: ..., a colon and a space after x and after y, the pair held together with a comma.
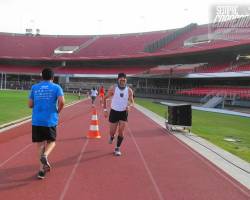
x: 42, y: 133
x: 116, y: 116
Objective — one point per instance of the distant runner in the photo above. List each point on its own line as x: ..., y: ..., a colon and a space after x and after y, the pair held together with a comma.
x: 101, y: 94
x: 93, y: 95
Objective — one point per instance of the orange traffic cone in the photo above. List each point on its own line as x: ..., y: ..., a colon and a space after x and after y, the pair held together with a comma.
x: 94, y: 127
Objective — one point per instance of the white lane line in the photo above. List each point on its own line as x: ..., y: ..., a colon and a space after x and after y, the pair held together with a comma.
x: 205, y: 160
x: 15, y: 124
x: 23, y: 149
x: 213, y: 167
x: 16, y: 154
x: 146, y: 166
x: 66, y: 186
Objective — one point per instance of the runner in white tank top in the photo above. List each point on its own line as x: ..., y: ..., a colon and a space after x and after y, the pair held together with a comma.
x: 122, y: 99
x: 93, y: 95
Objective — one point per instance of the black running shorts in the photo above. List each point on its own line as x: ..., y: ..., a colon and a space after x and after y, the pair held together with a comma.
x: 42, y: 133
x: 116, y: 116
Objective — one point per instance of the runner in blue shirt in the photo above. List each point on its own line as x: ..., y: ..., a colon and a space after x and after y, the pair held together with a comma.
x: 46, y: 100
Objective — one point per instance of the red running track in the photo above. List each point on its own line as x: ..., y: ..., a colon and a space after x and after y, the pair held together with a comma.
x: 154, y: 166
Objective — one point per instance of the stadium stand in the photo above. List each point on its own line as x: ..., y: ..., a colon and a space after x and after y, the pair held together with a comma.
x: 188, y: 63
x: 212, y: 68
x: 217, y: 91
x: 168, y: 42
x: 19, y: 45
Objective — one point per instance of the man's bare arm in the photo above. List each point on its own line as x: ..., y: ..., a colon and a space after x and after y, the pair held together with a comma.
x: 131, y: 97
x: 109, y: 94
x: 30, y: 103
x: 61, y: 102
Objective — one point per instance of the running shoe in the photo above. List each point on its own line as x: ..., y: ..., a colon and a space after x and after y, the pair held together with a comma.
x: 41, y: 174
x: 45, y: 162
x: 117, y: 151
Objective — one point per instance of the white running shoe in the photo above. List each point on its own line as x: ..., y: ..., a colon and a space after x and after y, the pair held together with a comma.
x: 117, y: 151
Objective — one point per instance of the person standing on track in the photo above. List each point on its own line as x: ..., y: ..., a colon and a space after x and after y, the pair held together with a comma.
x: 46, y: 100
x: 101, y: 94
x: 122, y: 99
x: 93, y: 95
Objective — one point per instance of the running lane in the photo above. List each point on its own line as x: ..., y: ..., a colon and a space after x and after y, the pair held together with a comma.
x: 154, y: 165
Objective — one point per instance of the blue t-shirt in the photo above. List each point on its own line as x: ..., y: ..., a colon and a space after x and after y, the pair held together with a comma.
x: 45, y: 95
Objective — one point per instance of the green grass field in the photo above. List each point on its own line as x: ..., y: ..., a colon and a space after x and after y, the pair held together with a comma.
x: 14, y: 104
x: 214, y: 127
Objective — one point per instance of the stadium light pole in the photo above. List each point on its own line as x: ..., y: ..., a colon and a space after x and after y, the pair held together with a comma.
x: 18, y: 78
x: 5, y: 81
x: 1, y: 80
x: 169, y: 81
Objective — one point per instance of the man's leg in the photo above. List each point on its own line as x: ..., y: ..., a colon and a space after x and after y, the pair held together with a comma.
x: 122, y: 125
x: 44, y: 158
x: 40, y: 150
x: 112, y: 131
x: 93, y: 101
x: 49, y: 147
x: 120, y: 137
x: 101, y: 100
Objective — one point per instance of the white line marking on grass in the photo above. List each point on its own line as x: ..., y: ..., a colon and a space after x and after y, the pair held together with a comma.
x: 66, y: 186
x: 14, y: 155
x: 146, y: 167
x: 19, y: 122
x: 11, y: 125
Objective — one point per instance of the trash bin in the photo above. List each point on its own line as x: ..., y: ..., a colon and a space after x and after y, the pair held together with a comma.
x: 179, y: 115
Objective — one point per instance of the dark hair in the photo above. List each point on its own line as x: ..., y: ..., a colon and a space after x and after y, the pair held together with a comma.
x: 47, y: 74
x: 121, y: 75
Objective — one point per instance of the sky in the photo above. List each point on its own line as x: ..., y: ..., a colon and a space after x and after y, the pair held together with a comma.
x: 100, y: 17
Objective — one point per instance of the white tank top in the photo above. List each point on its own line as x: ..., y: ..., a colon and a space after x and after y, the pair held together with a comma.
x: 93, y: 93
x: 120, y: 99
